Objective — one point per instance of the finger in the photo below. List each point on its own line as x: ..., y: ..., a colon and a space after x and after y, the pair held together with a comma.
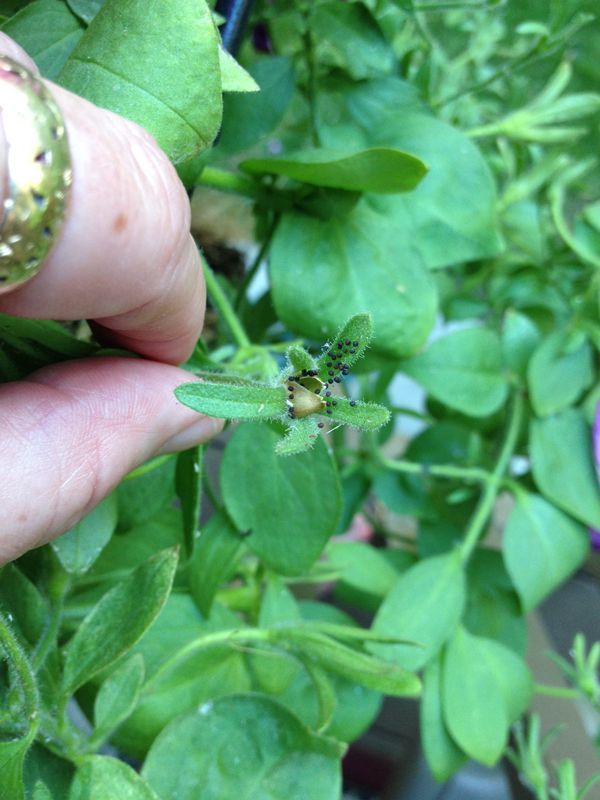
x: 124, y: 256
x: 71, y: 431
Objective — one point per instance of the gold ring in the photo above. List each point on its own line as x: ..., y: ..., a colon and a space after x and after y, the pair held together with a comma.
x: 38, y: 173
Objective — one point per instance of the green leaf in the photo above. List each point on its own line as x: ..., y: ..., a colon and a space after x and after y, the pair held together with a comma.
x: 541, y: 547
x: 291, y: 506
x: 425, y: 605
x: 283, y: 757
x: 156, y: 66
x: 348, y: 36
x: 378, y: 169
x: 519, y: 339
x: 51, y: 336
x: 118, y: 696
x: 195, y: 680
x: 563, y: 468
x: 101, y: 777
x: 300, y: 360
x: 234, y: 77
x: 443, y: 755
x: 366, y: 416
x: 349, y: 343
x: 356, y: 707
x: 233, y: 400
x: 215, y: 556
x: 278, y: 605
x: 188, y: 485
x: 141, y: 542
x: 274, y: 670
x: 352, y: 664
x: 362, y: 568
x: 22, y: 602
x: 463, y: 370
x: 247, y: 119
x: 43, y: 767
x: 85, y: 9
x: 486, y: 687
x: 451, y: 216
x: 12, y: 755
x: 557, y: 377
x: 48, y: 31
x: 143, y: 497
x: 41, y: 792
x: 119, y: 619
x: 352, y: 265
x: 80, y: 547
x: 300, y: 436
x: 494, y: 610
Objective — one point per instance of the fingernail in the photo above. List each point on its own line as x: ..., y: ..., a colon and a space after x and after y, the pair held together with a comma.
x: 200, y: 431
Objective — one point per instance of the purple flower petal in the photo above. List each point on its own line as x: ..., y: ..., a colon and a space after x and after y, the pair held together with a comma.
x: 595, y: 539
x: 596, y: 440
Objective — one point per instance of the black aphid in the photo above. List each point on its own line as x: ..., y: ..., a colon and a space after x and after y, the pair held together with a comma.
x: 321, y: 425
x: 337, y: 379
x: 352, y: 402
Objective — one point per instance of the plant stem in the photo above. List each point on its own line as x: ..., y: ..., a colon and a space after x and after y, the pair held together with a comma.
x: 470, y: 474
x: 493, y: 484
x: 252, y: 269
x: 149, y: 466
x: 556, y: 691
x: 229, y: 182
x: 23, y: 672
x: 311, y: 87
x: 221, y: 303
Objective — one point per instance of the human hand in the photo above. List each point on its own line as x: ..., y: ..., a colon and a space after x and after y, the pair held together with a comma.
x: 125, y: 260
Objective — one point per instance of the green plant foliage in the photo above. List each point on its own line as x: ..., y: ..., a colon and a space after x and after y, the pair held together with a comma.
x: 78, y: 548
x: 349, y: 37
x: 234, y: 77
x: 486, y: 687
x: 562, y: 464
x: 215, y: 553
x: 558, y: 373
x: 100, y: 777
x: 118, y: 696
x: 443, y: 755
x: 400, y: 239
x: 451, y: 216
x: 188, y: 485
x: 289, y: 507
x: 424, y: 605
x: 246, y: 120
x: 380, y: 169
x: 111, y: 628
x: 363, y: 571
x: 519, y: 339
x: 288, y: 761
x: 23, y: 602
x: 48, y: 32
x: 354, y: 707
x: 542, y: 547
x: 115, y: 65
x: 236, y: 401
x: 463, y: 370
x: 85, y: 9
x: 12, y: 755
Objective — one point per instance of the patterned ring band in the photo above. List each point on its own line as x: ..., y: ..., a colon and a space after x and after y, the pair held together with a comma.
x: 38, y: 173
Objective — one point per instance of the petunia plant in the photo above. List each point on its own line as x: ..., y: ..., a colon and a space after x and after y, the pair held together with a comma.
x: 305, y: 393
x: 228, y: 621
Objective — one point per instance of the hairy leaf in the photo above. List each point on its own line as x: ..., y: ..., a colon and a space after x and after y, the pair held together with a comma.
x: 232, y: 400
